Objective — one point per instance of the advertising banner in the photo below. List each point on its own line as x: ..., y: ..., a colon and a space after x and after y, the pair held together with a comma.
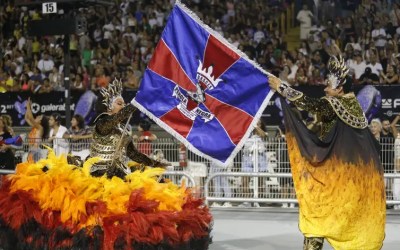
x: 377, y: 101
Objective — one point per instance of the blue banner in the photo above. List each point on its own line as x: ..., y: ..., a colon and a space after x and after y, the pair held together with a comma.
x: 201, y: 89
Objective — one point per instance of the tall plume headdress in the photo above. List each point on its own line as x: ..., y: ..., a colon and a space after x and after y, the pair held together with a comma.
x: 338, y: 71
x: 111, y: 92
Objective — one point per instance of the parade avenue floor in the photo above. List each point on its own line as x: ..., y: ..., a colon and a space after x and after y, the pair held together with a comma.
x: 273, y: 229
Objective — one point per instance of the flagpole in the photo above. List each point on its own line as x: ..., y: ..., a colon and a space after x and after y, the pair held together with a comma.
x: 120, y: 140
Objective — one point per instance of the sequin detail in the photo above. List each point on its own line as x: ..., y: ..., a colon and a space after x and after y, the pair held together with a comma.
x: 286, y: 91
x: 112, y: 143
x: 348, y: 109
x: 324, y: 114
x: 328, y: 109
x: 313, y: 243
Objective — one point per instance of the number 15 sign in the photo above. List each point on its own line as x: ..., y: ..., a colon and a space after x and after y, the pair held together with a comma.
x: 49, y: 8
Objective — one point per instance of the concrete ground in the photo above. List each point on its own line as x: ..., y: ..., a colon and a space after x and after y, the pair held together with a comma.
x: 273, y: 229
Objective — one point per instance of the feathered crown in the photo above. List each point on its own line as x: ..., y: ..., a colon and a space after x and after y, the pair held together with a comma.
x: 338, y: 70
x: 109, y: 93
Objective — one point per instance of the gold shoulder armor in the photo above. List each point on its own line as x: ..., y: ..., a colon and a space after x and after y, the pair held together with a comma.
x: 348, y: 109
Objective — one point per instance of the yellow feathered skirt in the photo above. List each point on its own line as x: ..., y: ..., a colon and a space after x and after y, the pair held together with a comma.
x: 51, y: 204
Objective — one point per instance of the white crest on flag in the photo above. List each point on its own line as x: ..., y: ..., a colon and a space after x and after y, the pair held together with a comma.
x: 191, y: 114
x: 205, y: 76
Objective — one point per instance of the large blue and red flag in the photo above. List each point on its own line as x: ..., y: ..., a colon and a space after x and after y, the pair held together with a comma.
x: 201, y: 89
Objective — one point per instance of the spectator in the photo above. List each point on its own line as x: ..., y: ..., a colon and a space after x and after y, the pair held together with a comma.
x: 395, y: 15
x: 365, y: 38
x: 378, y: 34
x: 39, y: 132
x: 332, y: 29
x: 35, y: 86
x: 86, y: 55
x: 145, y: 138
x: 78, y: 84
x: 285, y: 73
x: 60, y: 145
x: 79, y: 136
x: 389, y: 128
x: 368, y: 78
x: 24, y: 83
x: 301, y: 77
x: 304, y: 17
x: 293, y: 69
x: 376, y: 128
x: 357, y: 65
x: 45, y: 65
x: 383, y: 59
x: 100, y: 80
x: 74, y: 50
x: 132, y: 81
x: 222, y: 186
x: 354, y: 44
x: 10, y: 83
x: 396, y: 182
x: 304, y: 48
x: 45, y: 87
x: 317, y: 78
x: 6, y: 153
x: 153, y: 20
x: 315, y: 33
x: 391, y: 76
x: 317, y: 62
x: 326, y: 10
x: 27, y: 70
x: 254, y: 159
x: 35, y: 46
x: 7, y: 120
x: 36, y: 76
x: 387, y: 138
x: 348, y: 30
x: 56, y: 80
x: 259, y: 34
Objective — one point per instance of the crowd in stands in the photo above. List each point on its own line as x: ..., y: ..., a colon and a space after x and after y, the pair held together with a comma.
x: 120, y: 40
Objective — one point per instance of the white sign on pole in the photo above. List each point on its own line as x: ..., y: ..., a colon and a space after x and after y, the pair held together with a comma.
x: 49, y: 8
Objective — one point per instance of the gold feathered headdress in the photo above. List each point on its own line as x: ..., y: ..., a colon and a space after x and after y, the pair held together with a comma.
x: 111, y: 92
x: 338, y: 71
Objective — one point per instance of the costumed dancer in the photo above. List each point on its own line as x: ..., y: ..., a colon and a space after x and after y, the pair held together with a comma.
x: 53, y: 204
x: 111, y: 137
x: 337, y: 172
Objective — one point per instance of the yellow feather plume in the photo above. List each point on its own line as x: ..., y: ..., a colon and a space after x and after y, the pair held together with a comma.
x: 67, y: 188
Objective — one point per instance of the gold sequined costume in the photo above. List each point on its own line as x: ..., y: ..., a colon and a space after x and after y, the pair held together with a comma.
x: 112, y: 142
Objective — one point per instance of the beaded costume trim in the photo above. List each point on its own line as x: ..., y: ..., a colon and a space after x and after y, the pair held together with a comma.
x: 355, y: 121
x: 286, y: 91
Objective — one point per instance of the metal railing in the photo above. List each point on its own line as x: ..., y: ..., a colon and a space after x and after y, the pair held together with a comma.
x: 256, y: 195
x: 179, y: 176
x: 269, y: 197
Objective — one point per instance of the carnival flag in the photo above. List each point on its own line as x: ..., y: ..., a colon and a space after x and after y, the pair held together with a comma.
x: 201, y: 89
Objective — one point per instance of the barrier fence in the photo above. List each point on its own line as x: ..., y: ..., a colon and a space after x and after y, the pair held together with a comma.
x: 259, y: 175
